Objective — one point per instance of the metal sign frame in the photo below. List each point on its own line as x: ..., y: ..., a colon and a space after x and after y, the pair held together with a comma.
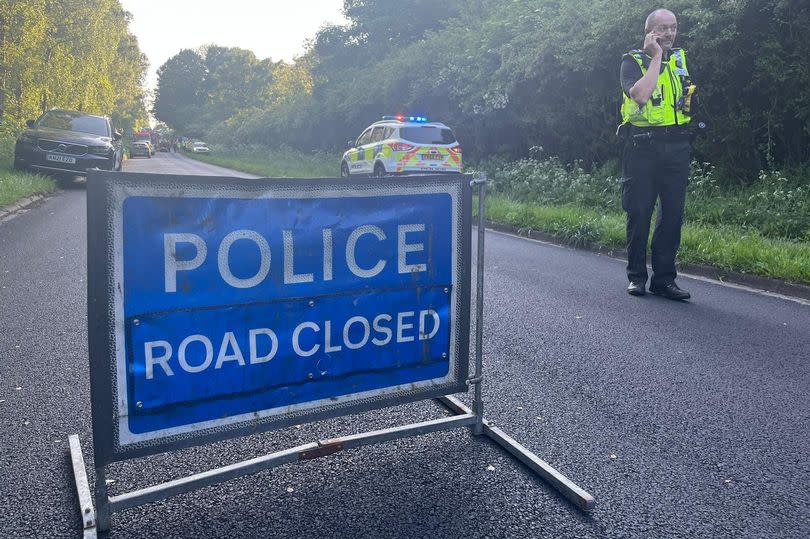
x: 99, y: 520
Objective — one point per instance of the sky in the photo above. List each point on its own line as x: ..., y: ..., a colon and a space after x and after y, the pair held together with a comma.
x: 274, y: 29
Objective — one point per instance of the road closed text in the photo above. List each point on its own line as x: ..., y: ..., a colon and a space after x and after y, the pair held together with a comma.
x: 198, y: 352
x: 289, y: 349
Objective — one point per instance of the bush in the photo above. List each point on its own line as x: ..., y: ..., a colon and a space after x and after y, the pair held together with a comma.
x: 777, y: 205
x: 549, y: 182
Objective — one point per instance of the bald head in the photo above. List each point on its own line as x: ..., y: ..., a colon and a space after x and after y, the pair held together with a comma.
x: 664, y: 25
x: 652, y: 18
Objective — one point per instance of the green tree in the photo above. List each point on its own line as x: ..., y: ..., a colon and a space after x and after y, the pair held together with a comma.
x: 76, y: 54
x: 180, y: 96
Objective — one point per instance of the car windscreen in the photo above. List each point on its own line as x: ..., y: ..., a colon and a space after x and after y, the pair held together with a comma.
x: 427, y: 135
x: 74, y: 122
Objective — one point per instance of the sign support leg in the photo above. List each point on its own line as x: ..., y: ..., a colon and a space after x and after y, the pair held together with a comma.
x: 102, y: 500
x: 478, y: 378
x: 321, y: 448
x: 565, y: 486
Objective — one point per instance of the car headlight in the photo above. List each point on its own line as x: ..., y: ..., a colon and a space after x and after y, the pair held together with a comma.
x: 27, y: 139
x: 100, y: 150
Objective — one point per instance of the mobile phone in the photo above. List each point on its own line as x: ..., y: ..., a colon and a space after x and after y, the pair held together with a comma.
x: 658, y: 39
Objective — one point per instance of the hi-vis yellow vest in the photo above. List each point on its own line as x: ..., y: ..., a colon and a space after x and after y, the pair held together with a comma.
x: 663, y: 106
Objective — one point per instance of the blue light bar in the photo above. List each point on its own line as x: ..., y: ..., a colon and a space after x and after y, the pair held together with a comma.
x: 402, y: 118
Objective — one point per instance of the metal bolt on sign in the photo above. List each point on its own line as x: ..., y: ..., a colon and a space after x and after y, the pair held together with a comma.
x: 353, y: 299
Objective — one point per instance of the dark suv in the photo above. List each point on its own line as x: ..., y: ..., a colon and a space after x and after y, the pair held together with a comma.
x: 68, y: 142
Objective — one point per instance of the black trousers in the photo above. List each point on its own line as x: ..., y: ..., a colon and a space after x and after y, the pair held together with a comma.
x: 654, y: 169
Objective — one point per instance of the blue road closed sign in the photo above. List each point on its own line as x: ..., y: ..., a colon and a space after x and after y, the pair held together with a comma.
x: 233, y: 306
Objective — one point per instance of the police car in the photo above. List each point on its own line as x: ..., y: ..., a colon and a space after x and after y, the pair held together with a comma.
x: 402, y: 145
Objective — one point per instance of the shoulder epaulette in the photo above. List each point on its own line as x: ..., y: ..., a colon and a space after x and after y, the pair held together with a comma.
x: 637, y: 55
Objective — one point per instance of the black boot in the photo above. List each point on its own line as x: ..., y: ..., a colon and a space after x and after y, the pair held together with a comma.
x: 670, y: 291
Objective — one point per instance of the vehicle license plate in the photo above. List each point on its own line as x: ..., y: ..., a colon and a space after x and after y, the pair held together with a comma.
x: 60, y: 159
x: 432, y: 156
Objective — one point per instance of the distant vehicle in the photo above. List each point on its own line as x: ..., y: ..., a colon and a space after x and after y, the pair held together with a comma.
x: 148, y: 143
x: 140, y: 149
x: 403, y: 145
x: 68, y: 142
x: 149, y: 136
x: 200, y: 147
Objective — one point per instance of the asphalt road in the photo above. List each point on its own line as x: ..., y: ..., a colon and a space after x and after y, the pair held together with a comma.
x: 177, y: 163
x: 682, y: 419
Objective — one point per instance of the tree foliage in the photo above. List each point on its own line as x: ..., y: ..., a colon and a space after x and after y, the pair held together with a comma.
x: 180, y: 96
x: 509, y: 76
x: 198, y: 90
x: 76, y: 54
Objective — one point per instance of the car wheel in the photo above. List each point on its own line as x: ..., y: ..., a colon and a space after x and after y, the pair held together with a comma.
x: 18, y: 165
x: 344, y: 170
x: 63, y: 181
x: 379, y: 170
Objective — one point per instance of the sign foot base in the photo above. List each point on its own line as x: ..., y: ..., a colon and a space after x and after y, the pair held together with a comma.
x: 547, y: 473
x: 88, y: 515
x: 321, y: 448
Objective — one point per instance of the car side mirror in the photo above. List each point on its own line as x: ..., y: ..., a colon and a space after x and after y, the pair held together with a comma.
x: 117, y: 135
x: 29, y: 123
x: 349, y: 144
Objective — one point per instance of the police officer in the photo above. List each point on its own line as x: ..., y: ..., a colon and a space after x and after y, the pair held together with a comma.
x: 656, y: 109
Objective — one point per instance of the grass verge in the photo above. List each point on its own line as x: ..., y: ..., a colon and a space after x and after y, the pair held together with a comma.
x: 15, y: 185
x: 728, y: 248
x: 275, y: 164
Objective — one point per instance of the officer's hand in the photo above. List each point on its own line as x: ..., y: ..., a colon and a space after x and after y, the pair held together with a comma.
x: 651, y: 46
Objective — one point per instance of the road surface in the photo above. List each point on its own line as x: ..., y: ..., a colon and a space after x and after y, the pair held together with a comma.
x: 177, y: 163
x: 682, y: 419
